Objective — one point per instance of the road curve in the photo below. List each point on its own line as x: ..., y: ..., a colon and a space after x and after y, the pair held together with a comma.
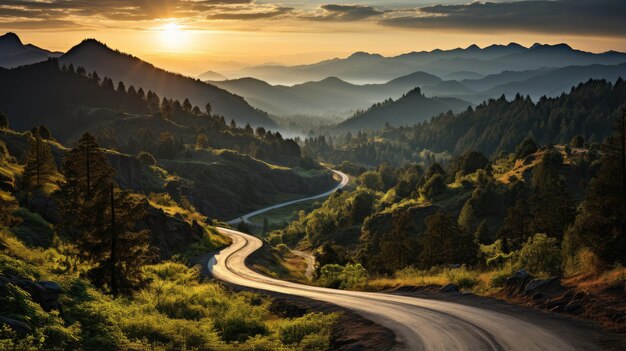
x: 246, y: 218
x: 419, y: 324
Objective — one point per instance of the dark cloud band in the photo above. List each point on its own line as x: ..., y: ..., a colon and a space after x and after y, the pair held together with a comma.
x: 587, y: 17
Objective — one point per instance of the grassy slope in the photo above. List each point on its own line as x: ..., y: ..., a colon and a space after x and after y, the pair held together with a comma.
x: 175, y: 309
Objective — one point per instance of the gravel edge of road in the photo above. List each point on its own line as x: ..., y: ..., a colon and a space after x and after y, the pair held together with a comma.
x: 563, y: 323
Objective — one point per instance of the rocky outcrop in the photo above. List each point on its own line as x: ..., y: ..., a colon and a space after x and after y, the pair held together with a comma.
x: 449, y: 288
x: 170, y: 234
x: 46, y: 206
x: 45, y: 293
x: 550, y: 295
x: 515, y: 284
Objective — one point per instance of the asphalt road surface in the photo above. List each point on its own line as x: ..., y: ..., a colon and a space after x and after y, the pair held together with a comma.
x: 419, y: 324
x: 246, y: 218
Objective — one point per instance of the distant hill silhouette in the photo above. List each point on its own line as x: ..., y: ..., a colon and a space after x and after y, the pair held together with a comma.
x: 556, y: 82
x: 96, y: 56
x: 335, y: 97
x: 14, y: 53
x: 211, y: 75
x: 410, y: 109
x: 44, y: 94
x: 331, y: 95
x: 364, y: 67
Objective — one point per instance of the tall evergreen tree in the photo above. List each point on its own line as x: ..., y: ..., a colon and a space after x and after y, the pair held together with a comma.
x: 600, y: 223
x: 40, y: 166
x: 87, y: 169
x: 4, y: 121
x: 187, y: 105
x: 116, y: 250
x: 444, y: 242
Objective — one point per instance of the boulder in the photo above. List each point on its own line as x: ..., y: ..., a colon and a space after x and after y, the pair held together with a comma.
x: 548, y: 286
x: 21, y: 328
x: 449, y: 288
x: 515, y: 284
x: 49, y: 296
x: 574, y: 307
x: 45, y: 293
x: 45, y: 206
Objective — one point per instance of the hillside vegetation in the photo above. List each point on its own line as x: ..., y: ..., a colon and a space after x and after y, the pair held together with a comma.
x: 486, y: 223
x: 493, y: 127
x: 195, y: 156
x: 87, y: 265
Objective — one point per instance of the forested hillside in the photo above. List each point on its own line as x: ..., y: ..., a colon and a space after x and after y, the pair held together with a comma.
x: 96, y: 56
x: 90, y: 265
x: 221, y: 168
x: 551, y: 210
x: 495, y: 126
x: 413, y: 107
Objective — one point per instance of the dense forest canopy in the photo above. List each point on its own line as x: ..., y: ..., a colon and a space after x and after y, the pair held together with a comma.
x: 495, y: 126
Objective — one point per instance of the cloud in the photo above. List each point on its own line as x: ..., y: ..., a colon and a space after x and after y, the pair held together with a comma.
x: 246, y: 15
x: 39, y: 24
x: 129, y: 10
x: 597, y: 17
x: 345, y: 13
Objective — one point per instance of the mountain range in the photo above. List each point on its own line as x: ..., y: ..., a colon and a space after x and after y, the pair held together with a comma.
x: 362, y: 67
x: 335, y: 97
x: 459, y: 77
x: 14, y: 53
x: 96, y: 56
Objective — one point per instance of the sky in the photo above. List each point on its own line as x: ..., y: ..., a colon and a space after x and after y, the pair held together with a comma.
x: 192, y: 36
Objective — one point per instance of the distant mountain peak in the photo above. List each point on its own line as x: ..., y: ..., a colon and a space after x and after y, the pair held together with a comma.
x: 561, y: 46
x: 363, y: 54
x: 413, y: 92
x: 473, y: 47
x: 515, y: 45
x: 91, y: 43
x: 332, y: 79
x: 10, y: 38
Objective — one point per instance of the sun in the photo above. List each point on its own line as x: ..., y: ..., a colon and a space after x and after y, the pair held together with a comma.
x: 172, y: 35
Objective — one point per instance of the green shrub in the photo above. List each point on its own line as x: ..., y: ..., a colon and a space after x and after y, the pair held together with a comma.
x: 541, y: 255
x: 311, y: 331
x: 350, y: 276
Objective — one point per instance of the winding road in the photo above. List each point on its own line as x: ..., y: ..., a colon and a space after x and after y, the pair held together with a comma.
x: 419, y: 324
x: 246, y: 218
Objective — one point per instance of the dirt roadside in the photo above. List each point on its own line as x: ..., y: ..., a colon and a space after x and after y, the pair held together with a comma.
x: 559, y: 323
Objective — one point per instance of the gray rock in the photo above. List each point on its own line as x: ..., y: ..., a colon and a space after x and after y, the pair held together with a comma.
x: 574, y: 307
x: 18, y: 326
x: 515, y: 284
x: 544, y: 286
x: 449, y: 288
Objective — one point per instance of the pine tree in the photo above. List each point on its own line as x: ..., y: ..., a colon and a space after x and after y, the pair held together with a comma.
x: 467, y: 217
x: 482, y: 235
x: 600, y: 224
x: 87, y: 169
x: 40, y: 166
x: 187, y: 105
x: 444, y: 242
x: 202, y: 141
x: 209, y: 109
x: 115, y: 250
x: 45, y: 133
x: 4, y: 121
